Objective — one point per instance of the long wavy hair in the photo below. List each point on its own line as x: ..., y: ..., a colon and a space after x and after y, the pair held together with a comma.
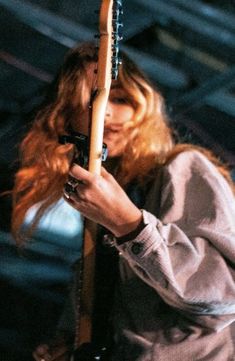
x: 45, y: 162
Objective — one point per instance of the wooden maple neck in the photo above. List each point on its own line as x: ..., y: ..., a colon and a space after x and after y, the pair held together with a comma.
x: 106, y: 70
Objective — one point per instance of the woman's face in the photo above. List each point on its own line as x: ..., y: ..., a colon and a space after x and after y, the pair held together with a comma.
x: 119, y: 111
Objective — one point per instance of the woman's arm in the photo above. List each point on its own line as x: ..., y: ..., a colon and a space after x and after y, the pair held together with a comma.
x: 186, y: 254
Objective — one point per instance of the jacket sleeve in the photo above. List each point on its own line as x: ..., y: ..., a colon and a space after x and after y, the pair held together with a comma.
x: 187, y: 253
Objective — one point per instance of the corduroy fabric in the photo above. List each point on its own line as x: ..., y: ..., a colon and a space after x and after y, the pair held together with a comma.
x: 176, y: 297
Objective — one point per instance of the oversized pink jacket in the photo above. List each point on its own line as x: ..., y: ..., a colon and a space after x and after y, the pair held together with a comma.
x: 176, y: 297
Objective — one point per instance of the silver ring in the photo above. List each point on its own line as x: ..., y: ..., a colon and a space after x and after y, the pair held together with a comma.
x: 69, y: 190
x: 73, y: 182
x: 67, y: 195
x: 70, y: 186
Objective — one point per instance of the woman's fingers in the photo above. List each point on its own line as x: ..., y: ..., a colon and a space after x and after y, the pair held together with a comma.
x: 81, y: 174
x: 55, y: 352
x: 105, y: 174
x: 101, y: 199
x: 41, y: 353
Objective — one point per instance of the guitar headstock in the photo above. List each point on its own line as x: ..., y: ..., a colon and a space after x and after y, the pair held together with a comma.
x: 107, y: 69
x: 110, y: 35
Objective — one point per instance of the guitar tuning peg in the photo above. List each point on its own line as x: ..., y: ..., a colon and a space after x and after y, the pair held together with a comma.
x: 115, y: 51
x: 117, y: 31
x: 117, y: 10
x: 114, y: 74
x: 118, y: 4
x: 117, y: 38
x: 117, y: 26
x: 116, y: 61
x: 115, y: 42
x: 115, y: 47
x: 116, y: 14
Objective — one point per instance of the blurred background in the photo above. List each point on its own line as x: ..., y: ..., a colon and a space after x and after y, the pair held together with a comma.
x: 187, y: 48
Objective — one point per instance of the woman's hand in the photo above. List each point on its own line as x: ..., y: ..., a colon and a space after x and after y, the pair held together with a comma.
x: 101, y: 199
x: 57, y: 350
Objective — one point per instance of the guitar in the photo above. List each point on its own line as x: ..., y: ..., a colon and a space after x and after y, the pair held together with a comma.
x: 107, y: 69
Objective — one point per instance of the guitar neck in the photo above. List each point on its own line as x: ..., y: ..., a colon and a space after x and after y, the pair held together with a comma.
x: 97, y: 130
x: 109, y: 17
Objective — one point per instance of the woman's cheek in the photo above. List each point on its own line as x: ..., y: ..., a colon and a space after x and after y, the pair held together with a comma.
x: 114, y: 148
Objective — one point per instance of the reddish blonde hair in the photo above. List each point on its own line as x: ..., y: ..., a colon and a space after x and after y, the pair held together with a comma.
x: 45, y: 163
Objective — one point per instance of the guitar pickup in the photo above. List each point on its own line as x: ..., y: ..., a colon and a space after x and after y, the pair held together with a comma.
x: 81, y: 142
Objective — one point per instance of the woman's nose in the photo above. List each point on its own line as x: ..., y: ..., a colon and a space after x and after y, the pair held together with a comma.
x: 108, y: 111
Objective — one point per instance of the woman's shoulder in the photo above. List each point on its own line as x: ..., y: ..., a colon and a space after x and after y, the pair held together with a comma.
x: 183, y: 153
x: 188, y: 161
x: 186, y: 158
x: 197, y: 165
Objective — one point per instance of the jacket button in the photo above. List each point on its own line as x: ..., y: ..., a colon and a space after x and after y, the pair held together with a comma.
x: 136, y: 248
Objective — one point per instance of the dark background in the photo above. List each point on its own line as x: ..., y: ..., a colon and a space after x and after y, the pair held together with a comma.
x: 188, y: 50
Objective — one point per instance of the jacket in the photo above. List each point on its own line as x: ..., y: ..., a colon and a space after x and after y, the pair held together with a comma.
x: 175, y: 299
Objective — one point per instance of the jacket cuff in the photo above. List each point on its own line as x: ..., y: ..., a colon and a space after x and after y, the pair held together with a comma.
x: 140, y: 243
x: 131, y: 235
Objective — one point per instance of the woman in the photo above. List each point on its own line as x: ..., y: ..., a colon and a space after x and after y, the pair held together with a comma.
x: 175, y: 298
